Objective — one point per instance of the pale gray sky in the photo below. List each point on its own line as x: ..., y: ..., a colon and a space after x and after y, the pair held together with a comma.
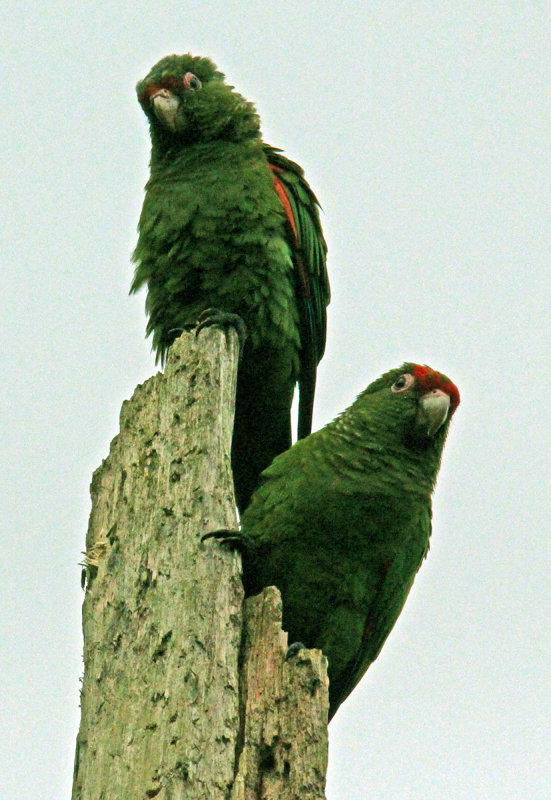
x: 424, y: 129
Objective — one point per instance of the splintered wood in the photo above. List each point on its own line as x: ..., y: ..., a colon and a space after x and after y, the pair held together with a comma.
x: 187, y: 692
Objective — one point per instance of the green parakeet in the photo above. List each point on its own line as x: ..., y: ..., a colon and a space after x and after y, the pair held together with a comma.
x: 231, y: 225
x: 341, y: 522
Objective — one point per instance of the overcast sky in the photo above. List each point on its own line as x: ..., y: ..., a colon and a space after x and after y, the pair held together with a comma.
x: 423, y: 128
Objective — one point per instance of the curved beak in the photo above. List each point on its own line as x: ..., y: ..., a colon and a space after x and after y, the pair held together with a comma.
x: 434, y: 407
x: 165, y: 105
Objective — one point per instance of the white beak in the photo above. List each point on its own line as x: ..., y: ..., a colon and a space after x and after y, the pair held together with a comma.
x: 434, y: 407
x: 165, y: 106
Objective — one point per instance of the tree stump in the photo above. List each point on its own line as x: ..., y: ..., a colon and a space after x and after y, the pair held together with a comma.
x: 186, y: 692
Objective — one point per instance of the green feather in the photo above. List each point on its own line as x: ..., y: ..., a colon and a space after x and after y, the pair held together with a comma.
x: 341, y: 523
x: 213, y: 233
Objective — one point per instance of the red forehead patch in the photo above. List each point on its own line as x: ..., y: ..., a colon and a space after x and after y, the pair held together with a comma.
x: 430, y: 379
x: 167, y: 82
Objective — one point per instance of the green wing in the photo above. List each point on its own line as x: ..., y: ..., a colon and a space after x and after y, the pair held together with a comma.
x: 309, y: 257
x: 382, y: 611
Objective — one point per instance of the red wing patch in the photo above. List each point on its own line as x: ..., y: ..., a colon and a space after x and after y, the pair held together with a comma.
x: 284, y: 198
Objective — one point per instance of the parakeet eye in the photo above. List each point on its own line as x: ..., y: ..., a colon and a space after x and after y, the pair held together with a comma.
x: 403, y: 383
x: 191, y: 81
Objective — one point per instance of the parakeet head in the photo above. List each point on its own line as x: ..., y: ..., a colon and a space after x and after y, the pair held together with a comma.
x: 187, y: 101
x: 415, y: 402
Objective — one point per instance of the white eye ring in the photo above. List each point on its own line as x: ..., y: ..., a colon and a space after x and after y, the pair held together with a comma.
x: 403, y: 383
x: 191, y: 81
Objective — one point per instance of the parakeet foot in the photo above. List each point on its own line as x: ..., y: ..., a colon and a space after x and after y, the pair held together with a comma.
x: 214, y: 316
x: 188, y: 327
x: 235, y: 539
x: 293, y: 649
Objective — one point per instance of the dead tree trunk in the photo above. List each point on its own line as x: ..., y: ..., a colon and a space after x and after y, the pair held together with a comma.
x: 186, y: 690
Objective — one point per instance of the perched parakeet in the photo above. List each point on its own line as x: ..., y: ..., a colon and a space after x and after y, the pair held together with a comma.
x: 231, y: 225
x: 341, y: 521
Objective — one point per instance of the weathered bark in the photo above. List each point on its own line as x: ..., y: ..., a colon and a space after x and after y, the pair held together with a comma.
x: 183, y: 695
x: 284, y: 707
